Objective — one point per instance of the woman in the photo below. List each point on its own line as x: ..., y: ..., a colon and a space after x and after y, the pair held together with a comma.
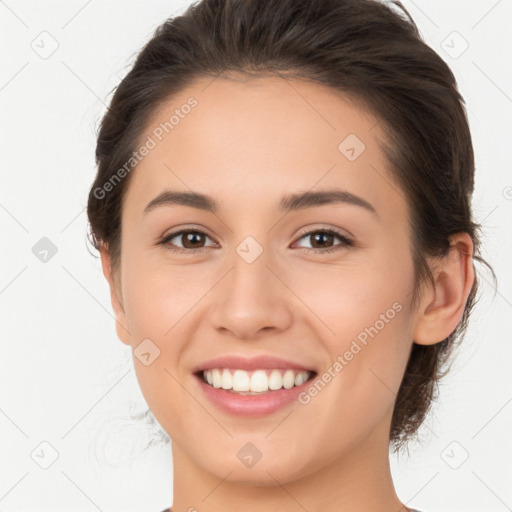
x: 245, y: 130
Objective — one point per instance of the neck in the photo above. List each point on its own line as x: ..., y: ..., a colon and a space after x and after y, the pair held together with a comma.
x: 358, y: 480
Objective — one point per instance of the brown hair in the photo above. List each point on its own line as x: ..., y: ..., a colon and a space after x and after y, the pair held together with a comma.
x: 364, y: 49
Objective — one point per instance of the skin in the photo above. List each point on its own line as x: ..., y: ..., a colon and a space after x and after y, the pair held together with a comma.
x: 246, y: 144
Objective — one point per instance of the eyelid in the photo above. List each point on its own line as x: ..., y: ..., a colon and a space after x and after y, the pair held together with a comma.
x: 325, y: 227
x: 186, y: 227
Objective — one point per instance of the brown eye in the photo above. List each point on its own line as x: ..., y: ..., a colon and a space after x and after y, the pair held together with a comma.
x: 322, y: 240
x: 321, y: 237
x: 191, y: 240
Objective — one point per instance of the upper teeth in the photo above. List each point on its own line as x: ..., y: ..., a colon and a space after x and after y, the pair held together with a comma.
x: 257, y: 381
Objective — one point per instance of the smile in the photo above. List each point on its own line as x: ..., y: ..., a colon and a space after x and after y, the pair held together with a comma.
x: 252, y: 400
x: 254, y: 382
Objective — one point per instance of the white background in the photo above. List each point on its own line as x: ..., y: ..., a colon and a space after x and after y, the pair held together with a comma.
x: 66, y: 380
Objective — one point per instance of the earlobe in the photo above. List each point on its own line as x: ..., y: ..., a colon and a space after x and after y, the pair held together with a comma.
x: 117, y: 306
x: 442, y: 307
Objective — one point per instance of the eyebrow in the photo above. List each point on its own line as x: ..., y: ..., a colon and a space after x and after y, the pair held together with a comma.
x: 292, y: 202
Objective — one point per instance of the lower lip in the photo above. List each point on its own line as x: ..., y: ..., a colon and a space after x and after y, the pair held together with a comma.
x: 252, y: 405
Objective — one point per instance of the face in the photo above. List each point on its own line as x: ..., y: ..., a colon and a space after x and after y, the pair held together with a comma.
x: 324, y: 285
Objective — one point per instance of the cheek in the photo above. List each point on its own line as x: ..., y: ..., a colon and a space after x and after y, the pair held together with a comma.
x: 349, y: 298
x: 366, y: 319
x: 158, y: 302
x: 156, y: 295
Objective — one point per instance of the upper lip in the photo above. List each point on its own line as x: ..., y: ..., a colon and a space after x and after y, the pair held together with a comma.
x: 262, y: 362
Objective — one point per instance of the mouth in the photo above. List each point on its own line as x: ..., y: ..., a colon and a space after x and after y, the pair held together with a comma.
x: 255, y: 382
x: 254, y: 386
x: 253, y: 393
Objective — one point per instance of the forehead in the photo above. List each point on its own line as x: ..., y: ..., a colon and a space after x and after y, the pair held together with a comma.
x: 247, y: 140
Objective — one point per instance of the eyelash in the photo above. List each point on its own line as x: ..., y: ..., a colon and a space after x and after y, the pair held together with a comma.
x: 346, y: 242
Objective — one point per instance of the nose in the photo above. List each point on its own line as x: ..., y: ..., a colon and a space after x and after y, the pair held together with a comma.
x: 252, y: 299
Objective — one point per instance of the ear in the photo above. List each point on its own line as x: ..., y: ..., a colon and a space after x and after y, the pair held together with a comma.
x: 441, y: 308
x: 121, y: 324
